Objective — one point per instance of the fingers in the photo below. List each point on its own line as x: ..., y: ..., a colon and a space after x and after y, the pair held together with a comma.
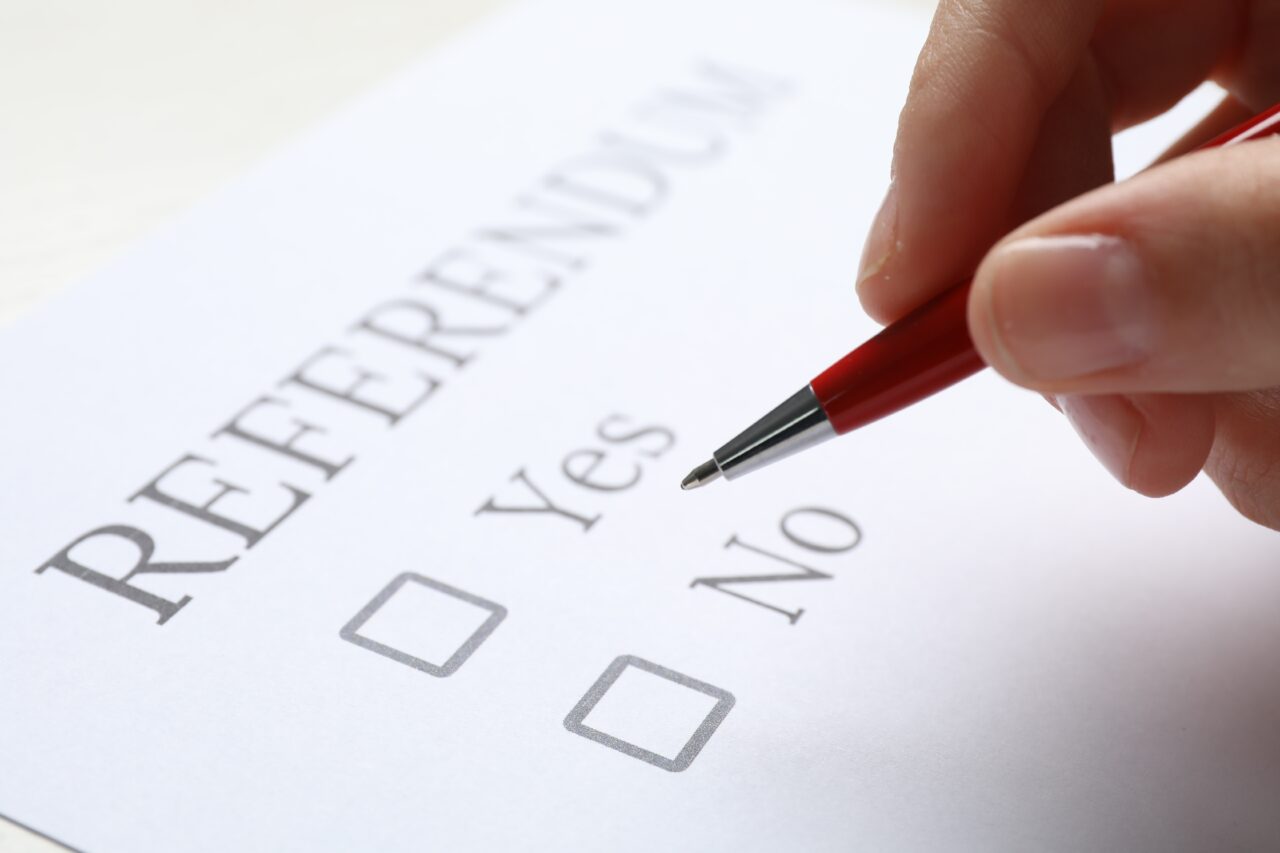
x: 985, y: 79
x: 1251, y: 71
x: 1009, y: 111
x: 1245, y: 462
x: 1169, y: 282
x: 1153, y: 53
x: 1008, y: 114
x: 1152, y: 443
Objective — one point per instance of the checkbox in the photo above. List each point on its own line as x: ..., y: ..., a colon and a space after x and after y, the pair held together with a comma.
x: 425, y: 624
x: 649, y: 712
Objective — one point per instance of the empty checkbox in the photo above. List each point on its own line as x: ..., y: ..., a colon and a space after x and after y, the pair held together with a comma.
x: 426, y: 624
x: 649, y: 712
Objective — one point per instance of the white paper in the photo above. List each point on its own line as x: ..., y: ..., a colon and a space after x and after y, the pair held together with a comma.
x: 977, y: 641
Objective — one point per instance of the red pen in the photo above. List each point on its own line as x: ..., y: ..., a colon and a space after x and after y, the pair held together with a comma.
x: 919, y: 355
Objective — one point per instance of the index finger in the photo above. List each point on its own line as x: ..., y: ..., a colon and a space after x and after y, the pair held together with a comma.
x: 988, y: 73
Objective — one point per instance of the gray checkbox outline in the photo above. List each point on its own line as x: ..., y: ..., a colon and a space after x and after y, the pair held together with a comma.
x: 350, y: 631
x: 724, y: 703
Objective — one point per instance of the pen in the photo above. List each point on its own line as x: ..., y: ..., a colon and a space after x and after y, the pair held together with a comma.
x: 913, y: 358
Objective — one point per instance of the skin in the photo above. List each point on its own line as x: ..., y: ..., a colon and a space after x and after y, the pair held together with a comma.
x: 1148, y: 312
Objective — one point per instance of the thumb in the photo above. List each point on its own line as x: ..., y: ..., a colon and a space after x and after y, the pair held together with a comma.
x: 1169, y: 282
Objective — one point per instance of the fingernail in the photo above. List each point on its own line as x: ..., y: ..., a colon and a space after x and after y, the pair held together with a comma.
x: 1109, y: 426
x: 1068, y: 306
x: 882, y: 239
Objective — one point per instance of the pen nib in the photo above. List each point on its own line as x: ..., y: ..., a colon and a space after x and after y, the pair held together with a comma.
x: 700, y: 476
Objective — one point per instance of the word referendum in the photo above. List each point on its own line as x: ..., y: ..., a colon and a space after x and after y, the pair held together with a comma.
x: 473, y: 292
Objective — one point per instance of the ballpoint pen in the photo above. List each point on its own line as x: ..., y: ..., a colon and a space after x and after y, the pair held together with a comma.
x: 913, y: 358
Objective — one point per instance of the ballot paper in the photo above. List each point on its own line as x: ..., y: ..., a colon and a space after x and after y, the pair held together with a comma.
x: 344, y: 514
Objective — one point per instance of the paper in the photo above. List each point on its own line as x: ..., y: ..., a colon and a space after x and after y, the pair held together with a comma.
x: 344, y: 514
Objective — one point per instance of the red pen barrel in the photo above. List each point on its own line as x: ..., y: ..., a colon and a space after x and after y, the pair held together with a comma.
x: 930, y: 348
x: 916, y: 357
x: 1263, y: 124
x: 923, y: 352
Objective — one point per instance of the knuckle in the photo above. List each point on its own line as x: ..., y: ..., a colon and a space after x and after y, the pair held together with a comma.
x: 1245, y: 463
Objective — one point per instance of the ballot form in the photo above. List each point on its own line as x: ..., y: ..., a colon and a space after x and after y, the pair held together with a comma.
x: 344, y: 513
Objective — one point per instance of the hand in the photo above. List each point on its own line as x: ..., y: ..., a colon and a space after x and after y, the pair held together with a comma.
x: 1147, y: 311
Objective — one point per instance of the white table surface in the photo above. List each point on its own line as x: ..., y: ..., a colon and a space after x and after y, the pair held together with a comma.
x: 119, y: 115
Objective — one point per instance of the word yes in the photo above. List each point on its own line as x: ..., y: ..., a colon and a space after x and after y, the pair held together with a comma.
x: 619, y: 467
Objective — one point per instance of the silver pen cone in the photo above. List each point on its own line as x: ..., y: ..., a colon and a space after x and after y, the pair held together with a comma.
x: 700, y: 476
x: 793, y: 426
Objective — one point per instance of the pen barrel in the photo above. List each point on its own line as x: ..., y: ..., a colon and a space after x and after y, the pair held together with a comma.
x: 919, y: 355
x: 1263, y: 124
x: 930, y: 349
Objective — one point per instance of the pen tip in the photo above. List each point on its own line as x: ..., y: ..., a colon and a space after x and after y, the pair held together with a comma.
x: 700, y: 476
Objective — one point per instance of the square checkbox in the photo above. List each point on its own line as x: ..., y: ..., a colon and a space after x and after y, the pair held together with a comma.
x: 425, y: 624
x: 649, y: 712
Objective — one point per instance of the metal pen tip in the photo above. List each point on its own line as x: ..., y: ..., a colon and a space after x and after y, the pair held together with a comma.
x: 700, y: 476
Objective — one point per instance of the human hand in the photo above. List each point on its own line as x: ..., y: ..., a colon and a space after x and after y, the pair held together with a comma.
x: 1148, y: 311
